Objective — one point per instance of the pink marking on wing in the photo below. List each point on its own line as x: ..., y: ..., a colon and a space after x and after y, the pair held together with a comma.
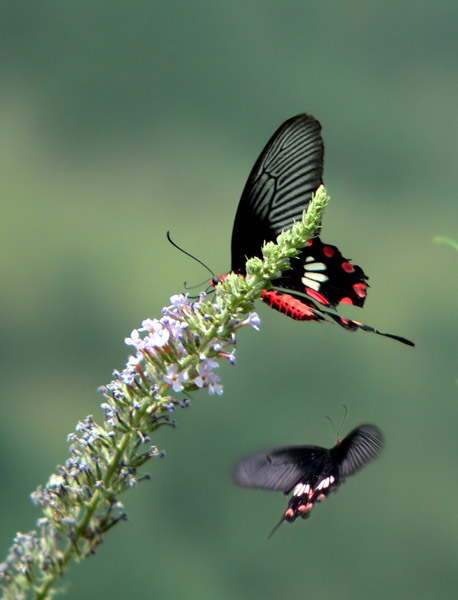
x: 317, y: 296
x: 360, y: 289
x: 289, y: 514
x: 347, y: 267
x: 346, y: 300
x: 309, y: 243
x: 328, y: 251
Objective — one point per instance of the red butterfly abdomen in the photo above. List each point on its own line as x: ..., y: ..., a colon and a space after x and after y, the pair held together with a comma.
x: 288, y: 305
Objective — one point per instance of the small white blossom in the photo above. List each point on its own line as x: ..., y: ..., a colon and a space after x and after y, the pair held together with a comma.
x: 134, y: 340
x: 254, y: 320
x: 178, y: 300
x: 175, y: 328
x: 215, y: 388
x: 157, y: 336
x: 176, y: 378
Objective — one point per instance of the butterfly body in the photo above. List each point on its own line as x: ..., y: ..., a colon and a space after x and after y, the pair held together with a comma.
x: 287, y: 304
x: 308, y: 473
x: 279, y: 188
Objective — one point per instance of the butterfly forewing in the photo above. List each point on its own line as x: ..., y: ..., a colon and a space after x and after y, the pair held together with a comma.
x: 278, y: 469
x: 279, y: 188
x: 359, y: 447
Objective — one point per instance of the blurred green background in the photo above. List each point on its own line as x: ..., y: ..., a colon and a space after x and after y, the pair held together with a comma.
x: 121, y: 120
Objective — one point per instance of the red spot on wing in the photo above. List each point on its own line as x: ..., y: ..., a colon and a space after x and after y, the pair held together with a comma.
x: 360, y: 289
x: 347, y: 267
x: 346, y: 300
x: 317, y: 296
x: 309, y: 243
x: 289, y: 514
x: 328, y: 251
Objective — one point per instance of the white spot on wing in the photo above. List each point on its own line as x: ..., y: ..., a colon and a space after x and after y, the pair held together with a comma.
x: 315, y: 266
x: 316, y: 276
x: 314, y: 285
x: 298, y: 490
x: 323, y: 484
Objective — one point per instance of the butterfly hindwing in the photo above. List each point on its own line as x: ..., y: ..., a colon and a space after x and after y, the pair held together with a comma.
x: 321, y: 272
x: 278, y: 469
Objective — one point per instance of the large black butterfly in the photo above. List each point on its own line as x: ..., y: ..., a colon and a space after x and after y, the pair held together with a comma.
x: 279, y: 188
x: 310, y: 473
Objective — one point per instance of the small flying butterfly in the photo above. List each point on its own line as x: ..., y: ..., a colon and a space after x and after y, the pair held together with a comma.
x: 309, y: 473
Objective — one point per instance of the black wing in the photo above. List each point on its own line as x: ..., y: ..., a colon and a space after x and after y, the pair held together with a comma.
x: 359, y: 447
x: 325, y: 275
x: 279, y: 469
x: 279, y: 188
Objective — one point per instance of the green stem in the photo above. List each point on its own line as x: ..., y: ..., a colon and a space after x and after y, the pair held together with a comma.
x: 72, y: 546
x: 238, y: 296
x: 447, y: 241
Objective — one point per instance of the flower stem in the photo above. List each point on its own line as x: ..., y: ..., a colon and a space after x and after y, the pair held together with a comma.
x: 175, y: 355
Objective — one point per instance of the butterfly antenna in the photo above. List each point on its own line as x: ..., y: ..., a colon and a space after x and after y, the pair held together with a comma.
x: 190, y: 255
x: 193, y: 287
x: 342, y: 420
x: 331, y: 423
x: 276, y: 527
